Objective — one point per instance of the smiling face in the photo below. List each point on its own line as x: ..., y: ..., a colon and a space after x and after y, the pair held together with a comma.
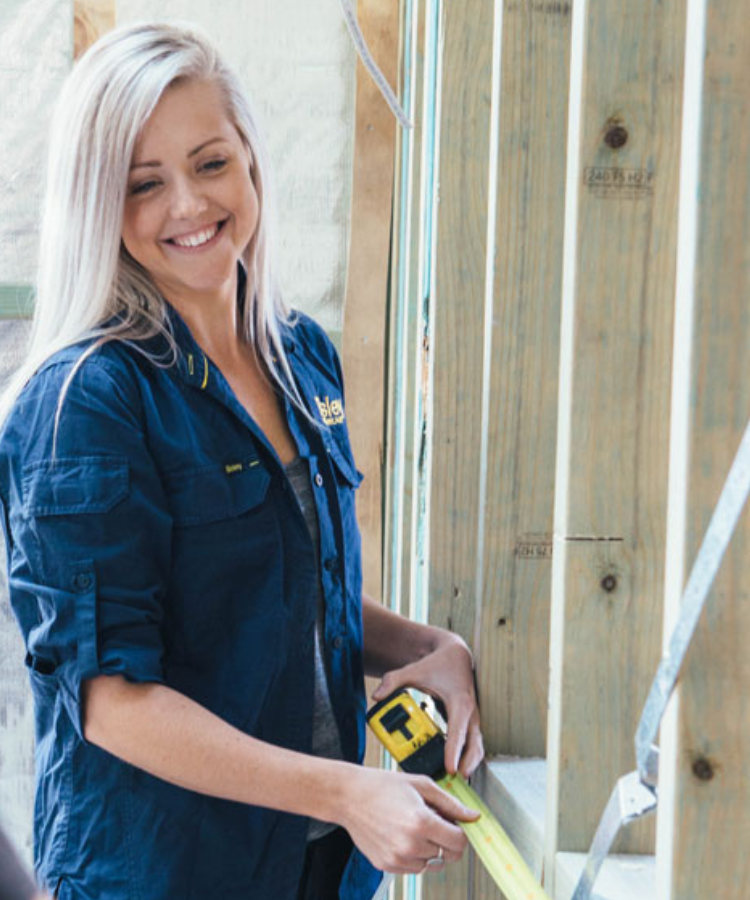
x: 191, y: 206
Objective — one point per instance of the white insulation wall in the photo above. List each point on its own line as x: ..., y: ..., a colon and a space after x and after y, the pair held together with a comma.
x: 298, y: 64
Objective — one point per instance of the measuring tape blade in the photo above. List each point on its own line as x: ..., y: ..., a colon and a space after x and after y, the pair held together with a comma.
x: 417, y: 744
x: 491, y: 843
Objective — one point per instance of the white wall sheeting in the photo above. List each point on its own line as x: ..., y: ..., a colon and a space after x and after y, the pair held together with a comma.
x: 16, y: 712
x: 36, y: 41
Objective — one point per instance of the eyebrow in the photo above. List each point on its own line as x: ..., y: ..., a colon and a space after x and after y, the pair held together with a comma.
x: 155, y: 163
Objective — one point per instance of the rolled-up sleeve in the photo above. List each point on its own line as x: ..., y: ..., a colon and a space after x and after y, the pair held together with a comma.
x: 89, y: 531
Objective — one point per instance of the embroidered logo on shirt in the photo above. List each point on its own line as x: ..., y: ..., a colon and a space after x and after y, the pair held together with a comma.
x: 331, y: 411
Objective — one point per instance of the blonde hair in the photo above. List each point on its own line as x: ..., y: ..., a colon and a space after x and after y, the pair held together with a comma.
x: 85, y: 275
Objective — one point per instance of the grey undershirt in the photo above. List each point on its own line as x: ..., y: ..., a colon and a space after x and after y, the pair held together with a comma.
x: 326, y: 741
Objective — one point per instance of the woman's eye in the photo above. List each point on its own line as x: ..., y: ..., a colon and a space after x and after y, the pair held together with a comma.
x: 213, y: 165
x: 144, y: 187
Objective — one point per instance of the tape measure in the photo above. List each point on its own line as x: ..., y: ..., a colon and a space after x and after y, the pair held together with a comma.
x: 418, y: 746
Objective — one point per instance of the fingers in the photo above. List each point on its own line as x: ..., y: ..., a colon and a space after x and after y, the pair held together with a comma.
x: 458, y: 723
x: 392, y: 681
x: 449, y: 809
x: 473, y: 751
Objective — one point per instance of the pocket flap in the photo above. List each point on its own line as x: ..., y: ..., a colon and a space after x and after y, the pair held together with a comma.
x: 344, y: 464
x: 66, y: 485
x: 211, y: 493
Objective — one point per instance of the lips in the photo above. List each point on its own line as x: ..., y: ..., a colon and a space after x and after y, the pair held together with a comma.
x: 197, y: 239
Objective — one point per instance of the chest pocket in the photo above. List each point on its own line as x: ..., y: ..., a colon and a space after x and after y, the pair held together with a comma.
x: 86, y: 484
x: 340, y: 454
x: 211, y: 493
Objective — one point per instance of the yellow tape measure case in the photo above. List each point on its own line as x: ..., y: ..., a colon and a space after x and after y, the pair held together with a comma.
x: 408, y: 734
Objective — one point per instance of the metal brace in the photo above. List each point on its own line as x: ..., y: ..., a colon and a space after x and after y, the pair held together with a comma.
x: 635, y: 795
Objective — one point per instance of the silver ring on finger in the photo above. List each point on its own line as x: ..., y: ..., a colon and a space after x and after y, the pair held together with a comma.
x: 438, y: 861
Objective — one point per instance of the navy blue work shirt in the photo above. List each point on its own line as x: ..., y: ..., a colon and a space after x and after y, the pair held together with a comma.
x: 160, y: 540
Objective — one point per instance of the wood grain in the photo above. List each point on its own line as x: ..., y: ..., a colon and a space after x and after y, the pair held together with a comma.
x: 610, y: 515
x: 364, y: 351
x: 521, y: 409
x: 454, y: 341
x: 710, y: 810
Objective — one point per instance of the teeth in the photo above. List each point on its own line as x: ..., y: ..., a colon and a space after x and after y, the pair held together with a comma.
x: 195, y: 240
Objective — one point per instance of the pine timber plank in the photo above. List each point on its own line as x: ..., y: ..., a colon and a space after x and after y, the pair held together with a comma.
x: 709, y: 812
x: 457, y: 312
x: 364, y: 349
x: 515, y: 790
x: 521, y: 411
x: 455, y: 344
x: 91, y: 19
x: 610, y: 507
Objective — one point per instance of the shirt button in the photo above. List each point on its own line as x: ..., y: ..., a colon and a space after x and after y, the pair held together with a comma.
x: 318, y: 479
x: 330, y: 565
x: 82, y: 581
x: 337, y: 642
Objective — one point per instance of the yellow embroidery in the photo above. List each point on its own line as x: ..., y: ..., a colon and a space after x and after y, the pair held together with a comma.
x: 331, y: 411
x: 233, y: 467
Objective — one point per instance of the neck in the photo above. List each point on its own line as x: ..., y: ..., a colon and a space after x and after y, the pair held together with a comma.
x: 213, y: 320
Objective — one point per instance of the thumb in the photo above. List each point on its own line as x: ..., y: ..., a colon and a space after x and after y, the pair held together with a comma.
x: 391, y: 682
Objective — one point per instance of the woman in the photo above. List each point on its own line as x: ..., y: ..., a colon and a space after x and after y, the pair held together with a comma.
x: 178, y: 494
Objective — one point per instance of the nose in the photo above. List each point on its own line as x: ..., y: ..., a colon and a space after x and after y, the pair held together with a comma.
x: 187, y: 199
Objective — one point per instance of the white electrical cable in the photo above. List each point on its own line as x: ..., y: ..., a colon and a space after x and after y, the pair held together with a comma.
x: 350, y: 15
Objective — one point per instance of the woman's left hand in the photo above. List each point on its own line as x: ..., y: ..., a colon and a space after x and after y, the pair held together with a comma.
x: 446, y: 673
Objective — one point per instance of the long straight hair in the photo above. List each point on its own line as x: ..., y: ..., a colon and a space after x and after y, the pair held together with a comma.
x: 86, y: 277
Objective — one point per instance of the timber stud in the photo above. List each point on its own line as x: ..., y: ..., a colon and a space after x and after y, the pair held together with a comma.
x: 616, y: 136
x: 609, y: 583
x: 702, y: 769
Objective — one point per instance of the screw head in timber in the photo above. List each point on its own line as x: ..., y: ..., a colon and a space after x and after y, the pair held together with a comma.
x: 616, y: 136
x: 702, y: 769
x: 609, y: 583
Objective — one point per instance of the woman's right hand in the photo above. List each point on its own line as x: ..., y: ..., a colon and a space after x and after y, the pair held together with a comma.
x: 401, y: 821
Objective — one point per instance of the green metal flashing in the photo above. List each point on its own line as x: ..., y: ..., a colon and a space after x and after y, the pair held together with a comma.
x: 16, y: 301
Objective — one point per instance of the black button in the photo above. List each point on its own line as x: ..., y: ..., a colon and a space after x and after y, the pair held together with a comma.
x: 337, y: 642
x: 82, y: 581
x: 331, y: 565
